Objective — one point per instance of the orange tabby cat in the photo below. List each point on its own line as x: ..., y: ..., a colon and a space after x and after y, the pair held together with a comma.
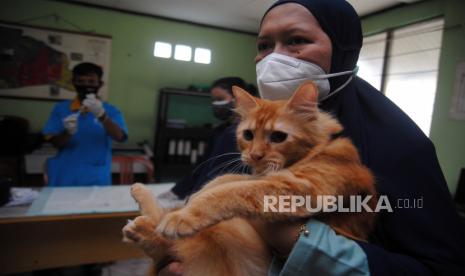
x: 291, y: 147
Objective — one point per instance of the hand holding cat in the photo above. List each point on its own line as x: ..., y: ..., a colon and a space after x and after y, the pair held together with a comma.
x: 281, y: 235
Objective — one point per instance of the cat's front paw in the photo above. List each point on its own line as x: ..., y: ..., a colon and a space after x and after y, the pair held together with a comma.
x: 138, y: 230
x: 179, y: 224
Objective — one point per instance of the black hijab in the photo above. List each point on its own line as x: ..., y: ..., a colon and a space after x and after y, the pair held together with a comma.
x: 403, y: 159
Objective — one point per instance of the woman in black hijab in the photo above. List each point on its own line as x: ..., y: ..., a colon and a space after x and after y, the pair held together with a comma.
x: 418, y: 241
x: 218, y: 158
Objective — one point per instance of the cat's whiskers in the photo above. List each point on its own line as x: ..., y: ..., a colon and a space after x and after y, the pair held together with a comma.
x: 245, y: 160
x: 272, y: 168
x: 212, y: 158
x: 230, y: 164
x: 244, y: 168
x: 273, y: 165
x: 239, y: 168
x: 224, y: 165
x: 236, y: 168
x: 267, y: 170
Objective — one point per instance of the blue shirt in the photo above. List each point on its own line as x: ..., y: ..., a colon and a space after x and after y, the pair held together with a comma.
x: 86, y: 159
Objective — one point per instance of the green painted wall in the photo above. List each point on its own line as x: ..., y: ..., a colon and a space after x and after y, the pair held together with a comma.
x: 135, y: 75
x: 447, y: 134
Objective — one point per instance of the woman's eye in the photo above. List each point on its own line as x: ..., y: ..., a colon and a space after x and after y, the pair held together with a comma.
x: 248, y: 135
x: 278, y: 137
x: 262, y: 46
x: 297, y: 41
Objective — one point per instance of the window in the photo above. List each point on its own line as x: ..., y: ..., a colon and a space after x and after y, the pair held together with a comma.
x: 183, y: 52
x: 162, y: 49
x: 202, y: 55
x: 413, y: 70
x: 403, y: 64
x: 371, y: 59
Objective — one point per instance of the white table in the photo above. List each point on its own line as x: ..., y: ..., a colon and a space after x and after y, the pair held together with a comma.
x: 53, y: 233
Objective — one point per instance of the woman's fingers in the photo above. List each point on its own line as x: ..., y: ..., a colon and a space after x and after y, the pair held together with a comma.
x: 172, y: 269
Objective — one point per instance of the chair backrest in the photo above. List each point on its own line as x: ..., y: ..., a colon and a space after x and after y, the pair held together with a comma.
x: 14, y: 135
x: 126, y: 167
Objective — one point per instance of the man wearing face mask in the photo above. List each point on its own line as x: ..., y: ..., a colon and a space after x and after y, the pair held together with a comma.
x: 83, y: 130
x: 221, y: 147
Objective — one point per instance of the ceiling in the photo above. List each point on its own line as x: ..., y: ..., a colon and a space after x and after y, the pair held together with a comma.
x: 241, y: 15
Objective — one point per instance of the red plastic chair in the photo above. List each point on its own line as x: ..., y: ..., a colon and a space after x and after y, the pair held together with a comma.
x: 126, y: 165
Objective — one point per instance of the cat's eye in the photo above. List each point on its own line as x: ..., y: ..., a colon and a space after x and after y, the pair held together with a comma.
x: 278, y: 137
x: 248, y: 135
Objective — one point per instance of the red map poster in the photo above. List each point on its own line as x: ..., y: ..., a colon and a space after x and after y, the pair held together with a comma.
x: 37, y: 62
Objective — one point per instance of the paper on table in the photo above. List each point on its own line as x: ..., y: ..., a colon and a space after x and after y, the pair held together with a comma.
x: 97, y: 199
x: 21, y: 196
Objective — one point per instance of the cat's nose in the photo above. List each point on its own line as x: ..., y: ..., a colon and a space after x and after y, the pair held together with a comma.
x: 257, y: 156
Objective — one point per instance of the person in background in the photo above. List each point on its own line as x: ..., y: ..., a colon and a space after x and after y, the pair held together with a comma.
x: 221, y: 155
x: 83, y: 130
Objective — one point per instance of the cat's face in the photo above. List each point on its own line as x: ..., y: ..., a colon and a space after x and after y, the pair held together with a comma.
x: 275, y: 134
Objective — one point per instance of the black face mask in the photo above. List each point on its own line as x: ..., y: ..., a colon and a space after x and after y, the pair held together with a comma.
x: 84, y: 90
x: 223, y: 110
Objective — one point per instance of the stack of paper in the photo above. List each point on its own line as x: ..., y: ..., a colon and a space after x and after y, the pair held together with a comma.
x: 22, y: 196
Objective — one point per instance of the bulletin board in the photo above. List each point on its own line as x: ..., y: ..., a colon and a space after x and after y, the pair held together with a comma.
x: 36, y: 63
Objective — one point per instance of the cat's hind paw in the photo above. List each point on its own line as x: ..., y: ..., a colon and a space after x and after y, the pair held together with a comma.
x: 179, y: 224
x: 140, y: 193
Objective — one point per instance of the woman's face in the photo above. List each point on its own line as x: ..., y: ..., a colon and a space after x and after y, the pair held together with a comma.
x: 290, y: 29
x: 220, y: 94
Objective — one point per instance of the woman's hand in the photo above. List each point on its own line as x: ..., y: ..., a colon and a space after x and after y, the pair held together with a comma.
x: 172, y: 269
x: 281, y: 236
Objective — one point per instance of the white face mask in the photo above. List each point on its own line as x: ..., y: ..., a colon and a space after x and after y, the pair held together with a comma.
x: 278, y: 76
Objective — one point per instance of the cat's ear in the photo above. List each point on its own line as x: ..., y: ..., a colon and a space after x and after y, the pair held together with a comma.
x: 244, y: 101
x: 305, y: 99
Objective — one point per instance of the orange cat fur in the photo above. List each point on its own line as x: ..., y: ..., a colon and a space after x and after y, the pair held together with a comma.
x: 290, y: 146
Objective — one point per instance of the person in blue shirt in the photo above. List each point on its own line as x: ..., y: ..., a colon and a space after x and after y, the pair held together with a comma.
x: 83, y: 130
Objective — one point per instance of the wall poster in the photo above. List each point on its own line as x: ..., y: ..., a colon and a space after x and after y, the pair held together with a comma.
x: 36, y: 62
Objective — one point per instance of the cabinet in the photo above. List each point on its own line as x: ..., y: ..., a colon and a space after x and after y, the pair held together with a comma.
x: 184, y: 124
